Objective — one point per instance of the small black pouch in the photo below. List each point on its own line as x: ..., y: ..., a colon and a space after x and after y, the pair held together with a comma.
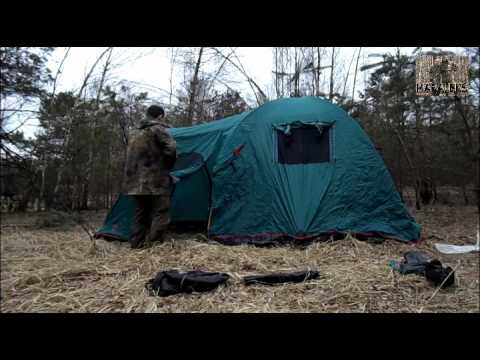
x: 172, y: 282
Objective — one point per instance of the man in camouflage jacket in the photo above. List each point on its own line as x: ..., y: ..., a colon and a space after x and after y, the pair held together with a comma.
x: 150, y: 157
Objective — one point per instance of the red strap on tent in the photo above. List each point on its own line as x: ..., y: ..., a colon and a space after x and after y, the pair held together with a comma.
x: 237, y: 150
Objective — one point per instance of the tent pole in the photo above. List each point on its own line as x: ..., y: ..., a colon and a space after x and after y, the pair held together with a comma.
x: 209, y: 221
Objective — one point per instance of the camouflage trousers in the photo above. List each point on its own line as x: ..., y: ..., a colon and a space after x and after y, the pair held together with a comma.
x: 150, y: 220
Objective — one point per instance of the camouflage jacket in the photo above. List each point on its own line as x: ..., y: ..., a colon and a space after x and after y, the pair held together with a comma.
x: 151, y: 155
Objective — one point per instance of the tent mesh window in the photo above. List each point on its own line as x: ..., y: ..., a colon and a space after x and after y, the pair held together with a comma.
x: 304, y: 145
x: 186, y: 160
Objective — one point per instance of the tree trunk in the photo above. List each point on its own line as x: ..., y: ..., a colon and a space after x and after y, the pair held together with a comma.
x: 26, y: 197
x: 318, y: 72
x: 42, y: 186
x: 355, y: 75
x: 62, y: 164
x: 464, y: 193
x: 312, y: 60
x: 478, y: 150
x: 91, y: 144
x: 84, y: 198
x: 347, y: 76
x: 172, y: 66
x: 426, y: 190
x: 296, y: 83
x: 193, y: 89
x: 330, y: 94
x: 414, y: 172
x: 275, y: 79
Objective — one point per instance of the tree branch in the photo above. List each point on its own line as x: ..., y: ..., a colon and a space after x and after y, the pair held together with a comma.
x: 59, y: 71
x: 240, y: 68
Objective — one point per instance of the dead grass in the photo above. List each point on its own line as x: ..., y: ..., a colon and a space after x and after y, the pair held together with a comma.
x: 60, y: 271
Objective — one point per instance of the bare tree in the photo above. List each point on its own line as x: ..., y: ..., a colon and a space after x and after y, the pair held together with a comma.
x: 332, y: 70
x: 258, y: 92
x: 59, y: 71
x: 297, y: 71
x: 193, y: 88
x: 44, y: 166
x: 69, y: 122
x: 173, y: 63
x: 93, y: 124
x: 202, y: 70
x: 355, y: 75
x: 347, y: 75
x: 318, y: 72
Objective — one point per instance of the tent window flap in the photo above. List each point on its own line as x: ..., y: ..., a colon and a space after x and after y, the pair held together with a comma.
x: 187, y: 160
x: 304, y: 145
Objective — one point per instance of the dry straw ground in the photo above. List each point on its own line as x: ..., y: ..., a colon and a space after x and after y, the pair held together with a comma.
x: 58, y: 270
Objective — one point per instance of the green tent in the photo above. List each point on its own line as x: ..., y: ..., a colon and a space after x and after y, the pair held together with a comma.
x: 294, y: 168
